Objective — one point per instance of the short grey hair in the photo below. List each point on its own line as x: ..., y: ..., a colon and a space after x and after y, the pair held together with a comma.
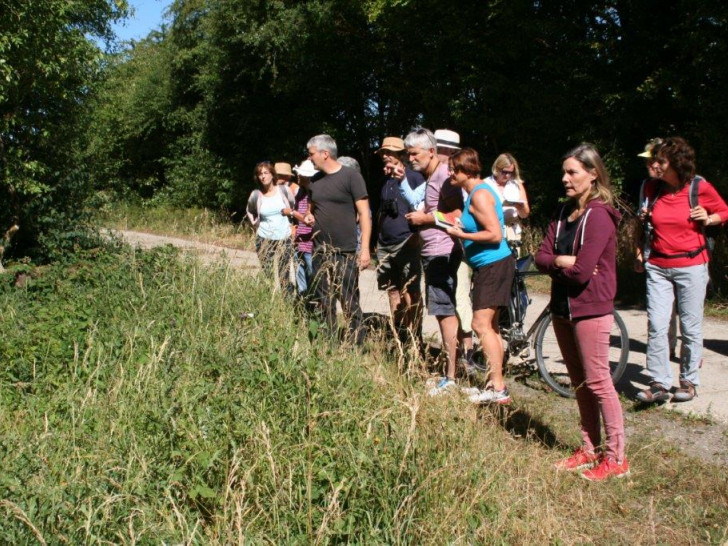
x: 421, y: 138
x: 350, y: 162
x: 323, y: 142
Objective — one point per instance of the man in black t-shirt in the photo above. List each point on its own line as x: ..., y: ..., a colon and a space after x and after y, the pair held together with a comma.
x: 337, y: 198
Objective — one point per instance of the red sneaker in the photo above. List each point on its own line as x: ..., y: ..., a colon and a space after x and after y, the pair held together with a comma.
x: 607, y: 468
x: 580, y: 460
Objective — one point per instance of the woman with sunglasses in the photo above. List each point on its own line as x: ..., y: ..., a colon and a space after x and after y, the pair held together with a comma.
x: 487, y: 253
x: 507, y: 183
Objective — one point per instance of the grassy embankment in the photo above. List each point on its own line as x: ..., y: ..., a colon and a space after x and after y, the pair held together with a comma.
x: 138, y: 406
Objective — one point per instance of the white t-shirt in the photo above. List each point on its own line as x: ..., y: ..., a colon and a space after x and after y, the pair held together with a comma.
x: 510, y: 191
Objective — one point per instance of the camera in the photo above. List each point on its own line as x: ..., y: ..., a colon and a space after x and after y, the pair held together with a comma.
x: 390, y: 207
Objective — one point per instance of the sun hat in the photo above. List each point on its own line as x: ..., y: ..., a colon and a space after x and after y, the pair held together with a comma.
x: 392, y: 144
x: 283, y: 169
x: 306, y: 168
x: 447, y: 139
x: 647, y: 154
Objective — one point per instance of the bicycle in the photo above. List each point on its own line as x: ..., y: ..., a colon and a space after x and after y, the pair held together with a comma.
x: 541, y: 337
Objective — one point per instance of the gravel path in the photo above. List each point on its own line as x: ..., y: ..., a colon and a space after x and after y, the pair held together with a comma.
x: 711, y: 403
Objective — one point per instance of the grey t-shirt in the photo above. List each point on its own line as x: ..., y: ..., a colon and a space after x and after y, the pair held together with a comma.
x: 333, y: 197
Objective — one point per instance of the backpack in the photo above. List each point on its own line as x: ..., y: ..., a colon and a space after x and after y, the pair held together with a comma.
x: 709, y: 233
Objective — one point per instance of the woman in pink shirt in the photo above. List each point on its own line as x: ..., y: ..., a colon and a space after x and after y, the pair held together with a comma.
x: 677, y: 265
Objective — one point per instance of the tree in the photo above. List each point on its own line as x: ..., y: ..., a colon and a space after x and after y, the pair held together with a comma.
x: 47, y: 68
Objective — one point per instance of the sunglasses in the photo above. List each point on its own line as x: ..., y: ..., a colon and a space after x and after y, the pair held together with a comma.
x: 507, y: 173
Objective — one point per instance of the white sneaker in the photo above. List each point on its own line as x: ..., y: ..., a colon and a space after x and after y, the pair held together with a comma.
x: 491, y: 396
x: 444, y: 385
x: 469, y: 391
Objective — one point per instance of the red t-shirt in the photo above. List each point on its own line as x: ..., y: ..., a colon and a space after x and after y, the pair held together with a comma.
x: 673, y: 230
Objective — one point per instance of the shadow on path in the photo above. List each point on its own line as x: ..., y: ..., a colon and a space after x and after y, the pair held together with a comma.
x: 521, y: 424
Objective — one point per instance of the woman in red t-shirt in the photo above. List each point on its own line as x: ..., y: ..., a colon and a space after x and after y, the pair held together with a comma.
x: 677, y: 265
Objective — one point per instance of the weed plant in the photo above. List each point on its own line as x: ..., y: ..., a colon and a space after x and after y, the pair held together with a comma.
x: 140, y: 403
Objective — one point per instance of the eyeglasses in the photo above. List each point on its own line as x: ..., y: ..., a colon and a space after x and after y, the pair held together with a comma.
x: 508, y: 173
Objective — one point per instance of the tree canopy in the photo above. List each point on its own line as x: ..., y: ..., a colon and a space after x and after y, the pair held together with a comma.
x: 184, y: 115
x: 47, y: 68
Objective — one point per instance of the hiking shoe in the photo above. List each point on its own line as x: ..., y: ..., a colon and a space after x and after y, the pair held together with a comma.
x: 445, y: 384
x: 580, y: 460
x: 491, y: 396
x: 656, y: 393
x: 685, y: 393
x: 607, y: 468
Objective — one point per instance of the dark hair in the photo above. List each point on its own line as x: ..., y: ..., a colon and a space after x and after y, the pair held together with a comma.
x: 267, y: 165
x: 466, y: 161
x: 680, y: 155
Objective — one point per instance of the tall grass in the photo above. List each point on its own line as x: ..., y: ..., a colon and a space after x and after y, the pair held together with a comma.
x: 140, y: 404
x: 202, y: 224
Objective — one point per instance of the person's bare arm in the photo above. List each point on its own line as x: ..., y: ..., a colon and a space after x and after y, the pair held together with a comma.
x: 365, y: 224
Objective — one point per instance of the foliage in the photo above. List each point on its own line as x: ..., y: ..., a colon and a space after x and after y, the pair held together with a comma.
x: 47, y: 67
x: 247, y: 81
x: 139, y: 403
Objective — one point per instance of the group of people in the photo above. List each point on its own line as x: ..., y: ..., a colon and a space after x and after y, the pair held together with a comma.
x: 438, y: 217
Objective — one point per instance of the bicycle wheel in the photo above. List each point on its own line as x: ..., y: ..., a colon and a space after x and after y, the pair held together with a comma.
x: 551, y: 364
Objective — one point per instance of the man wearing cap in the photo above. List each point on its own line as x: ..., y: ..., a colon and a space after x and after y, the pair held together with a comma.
x: 337, y: 197
x: 399, y: 269
x: 441, y: 256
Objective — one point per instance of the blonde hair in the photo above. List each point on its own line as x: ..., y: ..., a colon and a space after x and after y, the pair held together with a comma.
x: 506, y: 160
x: 587, y: 155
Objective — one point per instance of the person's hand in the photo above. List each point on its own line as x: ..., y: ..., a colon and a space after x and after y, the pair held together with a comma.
x: 309, y: 220
x: 394, y: 170
x: 286, y: 212
x: 564, y: 261
x: 455, y: 231
x: 642, y: 214
x: 364, y: 259
x: 418, y: 217
x: 699, y: 214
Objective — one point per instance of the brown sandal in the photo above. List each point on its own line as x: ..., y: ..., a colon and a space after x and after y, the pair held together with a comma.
x: 656, y: 393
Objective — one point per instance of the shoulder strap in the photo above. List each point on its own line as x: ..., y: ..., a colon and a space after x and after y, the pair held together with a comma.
x: 286, y: 195
x: 693, y: 194
x: 695, y: 190
x: 658, y: 191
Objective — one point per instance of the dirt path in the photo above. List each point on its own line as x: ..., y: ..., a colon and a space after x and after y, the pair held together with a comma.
x: 712, y: 402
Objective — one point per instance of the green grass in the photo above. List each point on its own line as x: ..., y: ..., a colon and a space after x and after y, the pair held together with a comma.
x: 136, y: 405
x: 203, y: 225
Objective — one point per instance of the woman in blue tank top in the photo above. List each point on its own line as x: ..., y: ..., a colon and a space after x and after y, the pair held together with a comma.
x: 487, y: 252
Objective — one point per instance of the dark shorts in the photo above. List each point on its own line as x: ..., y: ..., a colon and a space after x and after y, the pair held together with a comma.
x: 399, y: 266
x: 441, y: 281
x: 492, y: 284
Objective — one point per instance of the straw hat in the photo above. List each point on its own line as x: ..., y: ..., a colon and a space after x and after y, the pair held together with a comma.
x: 283, y: 169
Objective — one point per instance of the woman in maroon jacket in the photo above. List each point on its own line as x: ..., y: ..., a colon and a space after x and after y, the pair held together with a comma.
x: 579, y: 253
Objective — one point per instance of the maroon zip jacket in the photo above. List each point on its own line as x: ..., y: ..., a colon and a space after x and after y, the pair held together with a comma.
x: 595, y: 245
